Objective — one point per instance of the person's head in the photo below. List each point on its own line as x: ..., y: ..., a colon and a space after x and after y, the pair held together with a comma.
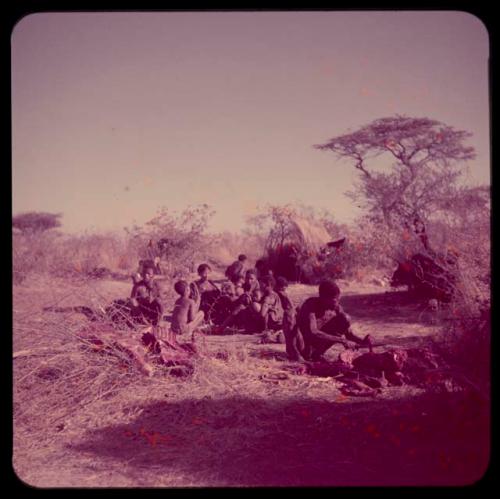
x: 250, y: 276
x: 281, y: 283
x: 148, y: 272
x: 329, y: 293
x: 182, y: 288
x: 268, y: 283
x: 242, y: 258
x: 203, y: 270
x: 256, y: 295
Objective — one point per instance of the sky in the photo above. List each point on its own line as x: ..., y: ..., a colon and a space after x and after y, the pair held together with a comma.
x: 118, y: 114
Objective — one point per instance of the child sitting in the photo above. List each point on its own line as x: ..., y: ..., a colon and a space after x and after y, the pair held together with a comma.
x: 271, y: 309
x: 209, y: 292
x: 186, y: 316
x: 246, y: 311
x: 145, y: 298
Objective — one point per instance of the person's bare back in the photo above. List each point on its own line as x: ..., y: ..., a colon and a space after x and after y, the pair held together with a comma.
x: 186, y: 315
x: 183, y: 308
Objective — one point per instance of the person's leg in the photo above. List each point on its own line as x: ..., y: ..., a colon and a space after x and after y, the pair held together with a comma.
x: 299, y: 343
x: 292, y: 342
x: 318, y: 346
x: 196, y: 322
x: 152, y: 313
x: 256, y: 307
x: 336, y: 326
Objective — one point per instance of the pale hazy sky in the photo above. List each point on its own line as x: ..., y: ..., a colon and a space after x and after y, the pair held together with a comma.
x: 117, y: 114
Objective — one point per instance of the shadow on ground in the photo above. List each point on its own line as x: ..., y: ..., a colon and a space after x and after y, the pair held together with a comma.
x: 428, y: 440
x: 390, y: 306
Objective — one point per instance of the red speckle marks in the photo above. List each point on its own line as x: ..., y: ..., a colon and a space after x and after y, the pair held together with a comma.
x: 373, y: 430
x: 344, y: 421
x: 411, y: 452
x: 415, y: 429
x: 305, y: 413
x: 406, y: 266
x: 152, y: 438
x: 402, y: 426
x: 197, y: 421
x: 366, y: 92
x: 444, y: 460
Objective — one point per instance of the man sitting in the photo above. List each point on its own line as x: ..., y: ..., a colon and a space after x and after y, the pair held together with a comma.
x: 208, y: 291
x: 321, y: 322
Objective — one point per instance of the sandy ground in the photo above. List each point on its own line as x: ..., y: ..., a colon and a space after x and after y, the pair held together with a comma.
x: 246, y: 423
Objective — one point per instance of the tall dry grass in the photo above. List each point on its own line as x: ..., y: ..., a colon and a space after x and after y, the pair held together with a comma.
x: 71, y: 256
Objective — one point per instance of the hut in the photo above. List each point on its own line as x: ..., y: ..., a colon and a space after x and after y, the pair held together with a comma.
x: 294, y: 250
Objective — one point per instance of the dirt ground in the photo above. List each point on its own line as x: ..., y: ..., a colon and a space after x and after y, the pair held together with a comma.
x: 243, y: 421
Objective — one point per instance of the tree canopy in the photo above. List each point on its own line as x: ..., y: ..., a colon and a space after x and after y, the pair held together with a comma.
x: 36, y: 221
x: 425, y: 156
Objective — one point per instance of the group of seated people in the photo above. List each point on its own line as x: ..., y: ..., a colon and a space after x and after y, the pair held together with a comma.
x: 252, y: 301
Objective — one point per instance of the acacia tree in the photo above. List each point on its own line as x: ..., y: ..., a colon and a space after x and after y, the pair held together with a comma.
x: 36, y: 221
x: 426, y: 157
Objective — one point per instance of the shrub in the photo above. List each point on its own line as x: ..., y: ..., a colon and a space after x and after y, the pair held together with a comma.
x: 184, y: 236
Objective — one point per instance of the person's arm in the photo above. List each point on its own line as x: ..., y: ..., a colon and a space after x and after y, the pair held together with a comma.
x: 264, y: 311
x: 313, y: 328
x: 352, y: 337
x: 160, y: 309
x: 238, y: 309
x: 230, y: 318
x: 195, y: 294
x: 366, y: 341
x: 141, y: 292
x: 192, y: 311
x: 242, y: 302
x: 196, y: 304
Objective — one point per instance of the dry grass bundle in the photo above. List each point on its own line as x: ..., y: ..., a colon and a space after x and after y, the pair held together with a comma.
x: 308, y: 234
